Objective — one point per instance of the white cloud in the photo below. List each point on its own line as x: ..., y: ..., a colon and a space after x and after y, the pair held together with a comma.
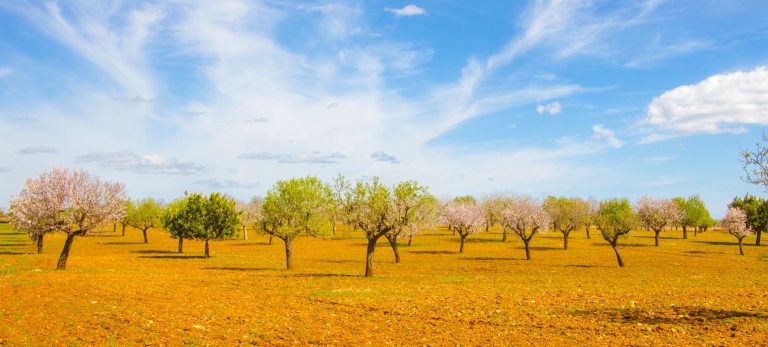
x: 382, y: 156
x: 295, y: 158
x: 227, y: 184
x: 37, y: 150
x: 723, y: 103
x: 5, y: 71
x: 407, y: 10
x: 552, y: 109
x: 658, y: 52
x: 601, y: 133
x: 131, y: 162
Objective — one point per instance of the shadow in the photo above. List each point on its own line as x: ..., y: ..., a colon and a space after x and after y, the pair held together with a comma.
x: 581, y: 266
x: 13, y: 253
x: 122, y: 243
x: 14, y: 233
x: 172, y: 256
x: 103, y: 235
x: 152, y: 251
x: 16, y: 244
x: 725, y: 243
x: 622, y: 245
x: 432, y: 252
x: 660, y: 237
x: 487, y: 258
x: 341, y: 261
x: 676, y: 315
x: 252, y: 244
x: 544, y: 248
x: 239, y: 268
x: 470, y: 240
x: 319, y: 275
x: 702, y: 252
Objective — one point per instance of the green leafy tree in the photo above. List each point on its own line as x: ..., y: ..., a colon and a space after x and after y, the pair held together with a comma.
x: 566, y: 214
x: 410, y: 199
x: 295, y: 207
x: 145, y: 214
x: 221, y: 219
x: 184, y: 218
x: 370, y: 208
x: 614, y: 220
x: 756, y: 209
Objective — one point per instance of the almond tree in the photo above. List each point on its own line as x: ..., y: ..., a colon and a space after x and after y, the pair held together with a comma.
x: 184, y: 218
x: 615, y: 219
x: 566, y: 214
x: 250, y: 213
x: 594, y: 206
x: 221, y: 220
x: 756, y: 209
x: 656, y: 214
x: 370, y: 208
x: 466, y: 217
x: 409, y: 199
x: 425, y: 218
x: 492, y: 208
x: 338, y: 188
x: 145, y: 214
x: 735, y: 223
x: 71, y: 201
x: 525, y: 217
x: 295, y: 207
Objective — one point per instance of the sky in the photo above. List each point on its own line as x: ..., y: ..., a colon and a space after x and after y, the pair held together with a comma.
x: 575, y: 98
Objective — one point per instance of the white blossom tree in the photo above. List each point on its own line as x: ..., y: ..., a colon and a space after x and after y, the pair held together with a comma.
x: 410, y: 203
x: 656, y: 214
x: 493, y: 206
x: 735, y: 223
x: 250, y: 213
x: 525, y: 217
x: 71, y: 201
x: 466, y: 218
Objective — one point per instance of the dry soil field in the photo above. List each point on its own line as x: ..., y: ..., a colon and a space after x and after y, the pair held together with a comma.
x: 119, y: 291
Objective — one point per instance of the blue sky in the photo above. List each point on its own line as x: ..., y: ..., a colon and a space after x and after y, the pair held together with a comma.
x: 586, y: 98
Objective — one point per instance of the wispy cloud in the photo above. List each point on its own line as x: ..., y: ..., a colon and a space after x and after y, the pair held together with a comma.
x: 295, y: 158
x: 601, y: 133
x: 657, y: 52
x: 227, y: 184
x: 131, y: 162
x: 407, y: 11
x: 37, y: 150
x: 5, y: 71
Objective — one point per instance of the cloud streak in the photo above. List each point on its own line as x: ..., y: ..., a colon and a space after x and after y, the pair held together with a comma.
x: 131, y: 162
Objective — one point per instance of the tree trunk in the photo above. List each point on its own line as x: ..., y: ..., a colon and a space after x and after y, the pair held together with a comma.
x: 618, y: 255
x: 657, y: 237
x: 123, y: 229
x: 207, y: 249
x: 757, y: 241
x: 410, y: 239
x: 181, y: 245
x: 504, y: 235
x: 288, y: 253
x: 685, y: 233
x: 487, y: 227
x: 270, y: 239
x: 369, y: 257
x: 40, y: 243
x: 145, y: 236
x: 527, y: 249
x: 463, y: 238
x: 695, y: 231
x: 114, y: 228
x: 741, y: 249
x: 62, y: 265
x: 333, y: 231
x: 393, y: 243
x: 245, y: 232
x: 565, y: 240
x: 587, y: 228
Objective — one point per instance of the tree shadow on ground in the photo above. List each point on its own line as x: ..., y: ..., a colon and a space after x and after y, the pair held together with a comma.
x: 725, y: 243
x: 172, y: 256
x: 660, y: 237
x: 471, y: 240
x: 340, y: 261
x: 13, y: 233
x: 15, y: 244
x: 488, y: 258
x: 676, y: 315
x: 702, y: 252
x: 251, y: 244
x: 13, y: 253
x: 431, y: 252
x: 122, y: 243
x: 239, y: 268
x: 103, y: 235
x: 314, y: 275
x: 581, y: 265
x: 153, y: 251
x: 627, y: 245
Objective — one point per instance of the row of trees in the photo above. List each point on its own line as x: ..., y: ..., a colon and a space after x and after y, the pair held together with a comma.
x: 75, y: 202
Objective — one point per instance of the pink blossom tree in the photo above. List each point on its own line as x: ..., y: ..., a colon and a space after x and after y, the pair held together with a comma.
x: 71, y: 201
x: 656, y: 214
x: 525, y: 217
x: 735, y: 223
x: 466, y: 217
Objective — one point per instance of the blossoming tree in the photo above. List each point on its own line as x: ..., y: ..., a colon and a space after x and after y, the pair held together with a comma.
x: 466, y: 217
x: 525, y: 217
x: 735, y: 223
x: 656, y: 214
